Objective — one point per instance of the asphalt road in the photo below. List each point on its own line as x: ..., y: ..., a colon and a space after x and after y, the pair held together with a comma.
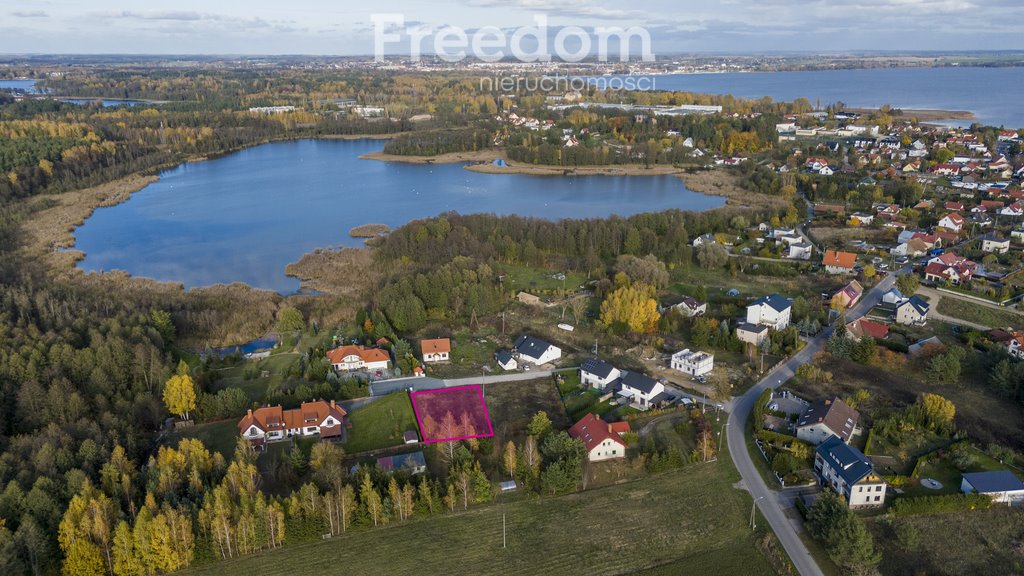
x: 765, y: 498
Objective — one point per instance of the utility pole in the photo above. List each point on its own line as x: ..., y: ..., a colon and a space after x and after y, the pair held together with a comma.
x: 721, y: 434
x: 753, y: 525
x: 504, y: 541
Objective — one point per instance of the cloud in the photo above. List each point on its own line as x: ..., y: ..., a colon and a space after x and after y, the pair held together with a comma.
x: 567, y: 8
x: 30, y: 14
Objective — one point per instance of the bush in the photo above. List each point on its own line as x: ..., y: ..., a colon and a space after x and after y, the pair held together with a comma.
x: 937, y: 504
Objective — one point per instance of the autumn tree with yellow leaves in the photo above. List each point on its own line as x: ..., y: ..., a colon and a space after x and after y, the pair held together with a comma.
x: 180, y: 392
x: 631, y: 307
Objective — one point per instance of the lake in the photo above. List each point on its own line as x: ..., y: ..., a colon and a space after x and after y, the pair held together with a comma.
x: 28, y: 86
x: 245, y: 216
x: 990, y: 93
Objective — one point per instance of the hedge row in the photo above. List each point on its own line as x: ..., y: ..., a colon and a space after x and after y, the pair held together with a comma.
x: 936, y: 504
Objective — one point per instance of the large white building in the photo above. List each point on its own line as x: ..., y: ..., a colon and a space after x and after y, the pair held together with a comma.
x: 271, y: 423
x: 350, y: 358
x: 599, y: 438
x: 694, y: 363
x: 773, y: 311
x: 849, y: 473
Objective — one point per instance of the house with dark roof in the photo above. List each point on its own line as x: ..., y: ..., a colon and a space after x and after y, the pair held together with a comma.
x: 596, y: 373
x: 1002, y: 485
x: 599, y: 439
x: 913, y: 311
x: 536, y: 351
x: 751, y: 333
x: 411, y: 462
x: 849, y: 473
x: 827, y: 418
x: 505, y: 359
x: 642, y: 391
x: 691, y: 307
x: 773, y: 311
x: 849, y: 295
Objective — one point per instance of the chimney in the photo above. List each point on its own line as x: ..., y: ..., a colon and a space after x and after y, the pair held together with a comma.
x: 250, y: 412
x: 332, y: 403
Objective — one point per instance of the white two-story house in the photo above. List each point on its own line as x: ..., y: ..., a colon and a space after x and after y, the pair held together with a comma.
x: 849, y: 473
x: 773, y: 311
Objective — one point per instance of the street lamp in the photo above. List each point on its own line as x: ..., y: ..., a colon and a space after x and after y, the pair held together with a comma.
x: 753, y: 525
x: 721, y: 434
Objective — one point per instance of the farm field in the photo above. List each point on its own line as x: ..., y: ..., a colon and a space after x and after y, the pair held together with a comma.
x: 681, y: 520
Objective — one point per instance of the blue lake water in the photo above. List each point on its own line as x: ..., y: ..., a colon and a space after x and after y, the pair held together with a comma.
x: 104, y: 103
x: 244, y: 217
x: 25, y: 85
x: 992, y: 94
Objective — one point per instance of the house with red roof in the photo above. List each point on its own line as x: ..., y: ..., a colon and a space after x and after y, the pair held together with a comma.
x: 599, y: 438
x: 436, y: 349
x: 848, y: 295
x: 946, y: 169
x: 952, y: 221
x: 836, y: 262
x: 271, y: 423
x: 1015, y: 344
x: 954, y: 274
x: 954, y: 206
x: 861, y: 327
x: 352, y: 358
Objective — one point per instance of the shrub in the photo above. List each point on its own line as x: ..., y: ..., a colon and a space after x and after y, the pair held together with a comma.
x: 937, y: 504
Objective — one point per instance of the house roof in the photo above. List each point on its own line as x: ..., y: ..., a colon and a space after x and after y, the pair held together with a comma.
x: 338, y: 355
x: 503, y: 356
x: 639, y: 381
x: 597, y: 367
x: 834, y: 413
x: 399, y: 461
x: 531, y: 347
x: 995, y: 481
x: 839, y: 259
x: 690, y: 302
x: 775, y: 301
x: 918, y: 303
x: 593, y: 431
x: 436, y: 346
x: 411, y: 436
x: 273, y: 418
x: 848, y: 463
x: 861, y: 327
x: 619, y: 428
x: 954, y: 218
x: 755, y: 328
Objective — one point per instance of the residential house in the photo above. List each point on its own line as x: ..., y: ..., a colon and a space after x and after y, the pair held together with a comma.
x: 825, y: 419
x: 505, y: 359
x: 893, y: 296
x: 1015, y: 210
x: 412, y: 462
x: 925, y: 344
x: 839, y: 262
x: 436, y: 350
x: 938, y: 271
x: 691, y: 307
x: 912, y: 312
x: 848, y: 295
x: 952, y: 221
x: 271, y: 423
x: 1002, y: 485
x: 598, y: 439
x: 642, y: 391
x: 800, y: 251
x: 860, y: 328
x: 953, y: 206
x: 751, y: 333
x: 704, y: 239
x: 995, y: 243
x: 848, y: 472
x: 1015, y: 344
x: 595, y: 373
x: 536, y: 351
x: 352, y: 358
x: 773, y: 311
x: 911, y: 249
x: 692, y: 362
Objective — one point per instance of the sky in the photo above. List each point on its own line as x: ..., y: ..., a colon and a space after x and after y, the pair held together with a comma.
x: 346, y: 27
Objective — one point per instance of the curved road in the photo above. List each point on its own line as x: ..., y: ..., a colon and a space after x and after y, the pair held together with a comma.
x: 767, y: 500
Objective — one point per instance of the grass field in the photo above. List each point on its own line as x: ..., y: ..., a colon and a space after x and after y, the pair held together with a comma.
x: 511, y: 405
x: 970, y: 542
x: 380, y: 424
x: 681, y: 522
x: 216, y: 436
x: 537, y: 279
x: 979, y: 313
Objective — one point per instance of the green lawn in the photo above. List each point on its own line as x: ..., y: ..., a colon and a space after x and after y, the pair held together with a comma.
x: 946, y: 472
x: 969, y: 542
x: 538, y: 279
x: 470, y: 352
x: 511, y: 405
x: 679, y: 520
x: 380, y: 424
x: 576, y: 406
x: 979, y: 313
x: 216, y: 436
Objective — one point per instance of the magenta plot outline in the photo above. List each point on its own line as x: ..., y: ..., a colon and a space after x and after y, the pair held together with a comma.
x: 419, y: 420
